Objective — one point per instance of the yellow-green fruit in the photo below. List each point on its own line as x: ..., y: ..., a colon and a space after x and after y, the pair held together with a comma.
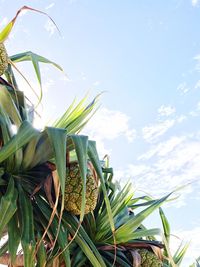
x: 149, y: 259
x: 73, y: 189
x: 3, y: 59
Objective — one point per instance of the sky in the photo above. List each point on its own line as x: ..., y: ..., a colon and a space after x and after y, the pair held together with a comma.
x: 145, y: 56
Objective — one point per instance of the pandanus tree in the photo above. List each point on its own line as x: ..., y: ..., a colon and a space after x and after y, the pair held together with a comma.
x: 59, y: 204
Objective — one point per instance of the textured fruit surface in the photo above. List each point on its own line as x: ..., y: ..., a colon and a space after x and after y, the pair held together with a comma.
x: 73, y: 189
x: 3, y: 59
x: 149, y: 259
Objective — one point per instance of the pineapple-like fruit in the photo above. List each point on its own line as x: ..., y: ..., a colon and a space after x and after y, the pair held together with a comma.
x: 73, y: 189
x: 149, y: 259
x: 3, y: 59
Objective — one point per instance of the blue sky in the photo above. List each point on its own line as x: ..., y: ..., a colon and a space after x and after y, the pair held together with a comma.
x: 146, y: 56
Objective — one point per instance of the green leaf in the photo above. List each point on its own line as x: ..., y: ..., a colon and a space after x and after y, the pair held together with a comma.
x: 35, y: 59
x: 71, y: 223
x: 29, y: 152
x: 41, y: 254
x: 83, y: 240
x: 118, y: 202
x: 4, y: 248
x: 44, y: 150
x: 6, y: 132
x: 70, y: 115
x: 165, y: 223
x: 30, y: 56
x: 78, y: 258
x: 75, y: 118
x: 6, y: 31
x: 58, y: 139
x: 8, y: 205
x: 25, y: 133
x: 180, y: 253
x: 27, y: 228
x: 88, y: 252
x: 62, y: 240
x: 8, y: 105
x: 131, y: 225
x: 62, y: 121
x: 93, y: 155
x: 109, y: 258
x: 144, y: 233
x: 13, y: 237
x: 81, y: 146
x: 5, y: 125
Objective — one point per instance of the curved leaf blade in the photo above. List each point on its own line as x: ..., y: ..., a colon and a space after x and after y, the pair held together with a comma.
x: 165, y: 223
x: 7, y: 29
x: 25, y: 133
x: 131, y: 225
x: 27, y: 228
x: 8, y: 105
x: 13, y: 237
x: 8, y: 205
x: 58, y: 139
x: 93, y: 155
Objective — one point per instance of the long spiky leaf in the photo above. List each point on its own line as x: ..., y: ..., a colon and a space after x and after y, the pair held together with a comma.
x: 8, y: 28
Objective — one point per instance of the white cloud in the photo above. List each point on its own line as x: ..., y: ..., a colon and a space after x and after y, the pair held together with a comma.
x: 46, y: 85
x: 83, y: 76
x: 195, y: 3
x: 96, y: 83
x: 108, y: 125
x: 65, y: 78
x: 3, y: 22
x: 195, y: 112
x: 197, y: 66
x: 50, y: 27
x: 152, y: 132
x: 130, y: 134
x: 138, y: 170
x: 183, y: 88
x: 181, y: 118
x: 197, y: 85
x: 164, y: 148
x: 198, y: 106
x: 50, y: 6
x: 166, y: 110
x: 167, y: 166
x: 72, y: 1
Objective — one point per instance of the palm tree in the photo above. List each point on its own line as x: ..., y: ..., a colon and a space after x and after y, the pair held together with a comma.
x: 37, y: 228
